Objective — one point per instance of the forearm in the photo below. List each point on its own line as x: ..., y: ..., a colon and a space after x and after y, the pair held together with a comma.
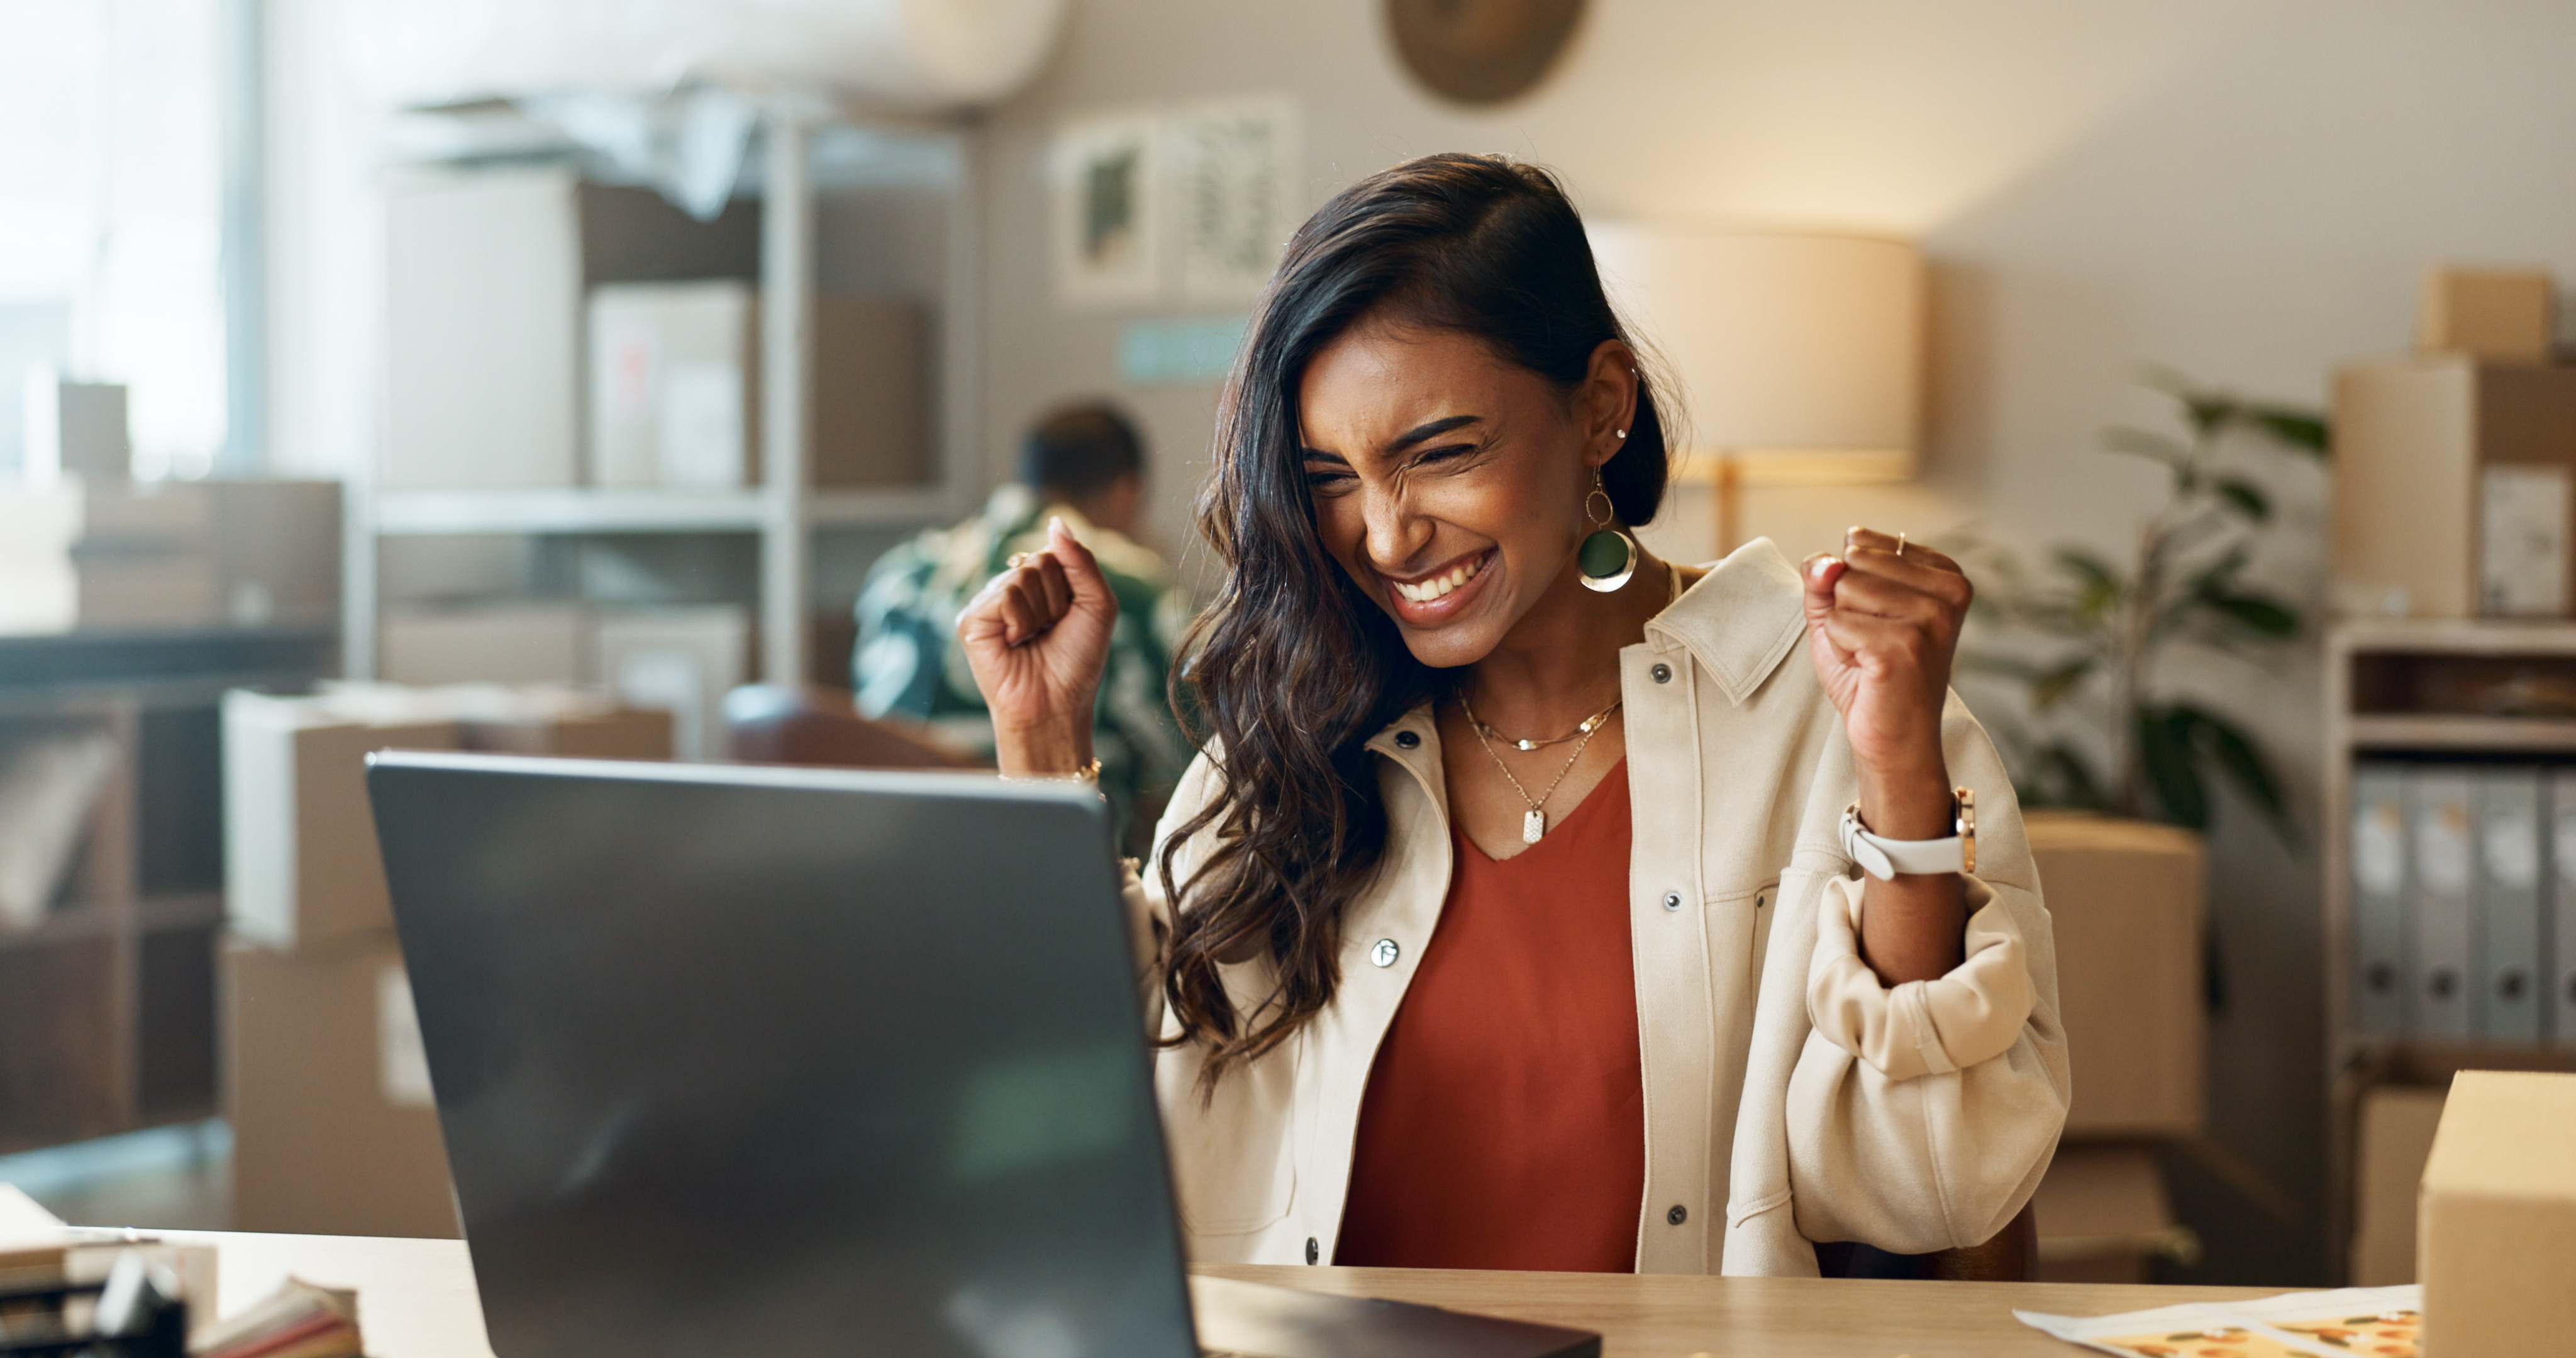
x: 1044, y: 749
x: 1912, y: 926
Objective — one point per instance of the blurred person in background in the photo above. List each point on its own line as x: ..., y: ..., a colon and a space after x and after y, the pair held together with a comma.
x: 1083, y: 463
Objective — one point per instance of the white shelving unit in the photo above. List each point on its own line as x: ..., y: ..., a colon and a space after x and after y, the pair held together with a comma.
x: 784, y: 511
x: 2398, y: 688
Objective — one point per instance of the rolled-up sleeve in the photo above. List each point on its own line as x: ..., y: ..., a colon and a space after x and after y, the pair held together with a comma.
x: 1922, y: 1116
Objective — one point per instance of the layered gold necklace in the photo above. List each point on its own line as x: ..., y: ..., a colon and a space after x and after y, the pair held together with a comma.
x: 1534, y: 822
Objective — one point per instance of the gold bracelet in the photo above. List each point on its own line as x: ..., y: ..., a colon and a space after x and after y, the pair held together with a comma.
x: 1088, y: 773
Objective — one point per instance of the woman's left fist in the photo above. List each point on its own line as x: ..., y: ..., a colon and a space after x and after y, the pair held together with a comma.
x: 1882, y: 622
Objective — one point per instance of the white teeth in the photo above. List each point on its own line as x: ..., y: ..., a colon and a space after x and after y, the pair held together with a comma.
x: 1439, y: 585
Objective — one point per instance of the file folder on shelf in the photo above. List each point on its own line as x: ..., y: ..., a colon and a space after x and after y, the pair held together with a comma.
x: 2379, y: 899
x: 2561, y: 957
x: 2507, y: 930
x: 2441, y: 951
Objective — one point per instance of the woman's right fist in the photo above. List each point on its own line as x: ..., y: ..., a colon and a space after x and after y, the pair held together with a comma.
x: 1037, y: 638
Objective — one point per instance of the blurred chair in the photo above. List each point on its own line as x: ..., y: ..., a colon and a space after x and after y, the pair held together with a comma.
x: 2011, y: 1257
x: 810, y: 724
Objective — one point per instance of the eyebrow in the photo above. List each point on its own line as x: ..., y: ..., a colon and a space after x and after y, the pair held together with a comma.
x: 1404, y: 440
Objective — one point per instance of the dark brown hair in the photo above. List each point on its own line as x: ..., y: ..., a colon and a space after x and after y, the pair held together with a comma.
x: 1292, y: 668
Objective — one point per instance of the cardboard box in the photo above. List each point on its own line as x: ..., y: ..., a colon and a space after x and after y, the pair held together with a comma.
x: 75, y: 429
x: 2496, y: 1232
x: 2500, y: 315
x: 169, y: 554
x: 301, y: 865
x: 870, y: 393
x: 2455, y: 489
x: 483, y: 299
x: 327, y: 1091
x: 523, y: 643
x: 526, y: 719
x: 674, y: 384
x: 2104, y: 1217
x: 680, y: 660
x: 2395, y: 1138
x: 2125, y: 905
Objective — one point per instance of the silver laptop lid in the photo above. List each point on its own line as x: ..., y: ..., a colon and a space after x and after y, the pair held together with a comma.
x: 783, y: 1061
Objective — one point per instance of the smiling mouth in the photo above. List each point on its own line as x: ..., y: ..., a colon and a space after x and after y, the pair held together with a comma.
x: 1456, y: 577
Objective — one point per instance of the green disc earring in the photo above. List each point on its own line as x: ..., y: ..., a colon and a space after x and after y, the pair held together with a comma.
x: 1608, y: 555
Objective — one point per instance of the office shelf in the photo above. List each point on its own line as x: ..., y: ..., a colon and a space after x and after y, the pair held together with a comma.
x: 608, y: 510
x: 783, y: 513
x: 2420, y: 687
x: 2484, y: 735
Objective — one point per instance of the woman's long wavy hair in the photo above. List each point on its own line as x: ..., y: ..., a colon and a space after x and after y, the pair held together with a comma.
x: 1293, y: 668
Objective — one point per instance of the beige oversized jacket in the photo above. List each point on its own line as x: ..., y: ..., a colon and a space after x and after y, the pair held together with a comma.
x: 1789, y: 1097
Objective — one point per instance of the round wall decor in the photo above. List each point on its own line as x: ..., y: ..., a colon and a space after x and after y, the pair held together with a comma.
x: 1481, y: 51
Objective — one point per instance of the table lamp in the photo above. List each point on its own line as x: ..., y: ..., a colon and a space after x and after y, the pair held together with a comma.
x: 1800, y: 357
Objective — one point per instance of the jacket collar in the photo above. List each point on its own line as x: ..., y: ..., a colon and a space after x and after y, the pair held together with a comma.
x: 1739, y: 622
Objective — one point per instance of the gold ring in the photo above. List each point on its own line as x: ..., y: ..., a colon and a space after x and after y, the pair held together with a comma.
x: 1900, y: 544
x: 1018, y: 559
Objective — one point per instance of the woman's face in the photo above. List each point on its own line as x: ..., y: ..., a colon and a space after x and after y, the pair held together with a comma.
x: 1450, y: 482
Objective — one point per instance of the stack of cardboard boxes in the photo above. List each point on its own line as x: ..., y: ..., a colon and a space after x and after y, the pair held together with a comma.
x: 334, y: 1131
x: 2125, y: 905
x: 120, y: 554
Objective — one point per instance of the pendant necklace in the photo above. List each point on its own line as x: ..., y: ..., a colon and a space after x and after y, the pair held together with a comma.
x: 1534, y: 822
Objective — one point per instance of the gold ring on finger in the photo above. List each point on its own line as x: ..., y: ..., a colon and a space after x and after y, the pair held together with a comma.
x: 1018, y: 559
x: 1900, y: 544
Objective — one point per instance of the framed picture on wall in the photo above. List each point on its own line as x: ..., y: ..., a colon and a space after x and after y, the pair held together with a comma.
x: 1233, y: 181
x: 1106, y: 176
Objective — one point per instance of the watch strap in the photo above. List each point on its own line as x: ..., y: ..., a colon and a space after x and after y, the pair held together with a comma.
x: 1885, y: 858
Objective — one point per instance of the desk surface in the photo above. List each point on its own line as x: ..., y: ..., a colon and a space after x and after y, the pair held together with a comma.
x: 416, y: 1300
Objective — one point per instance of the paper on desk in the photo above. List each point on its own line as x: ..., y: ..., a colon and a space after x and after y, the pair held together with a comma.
x: 26, y: 1225
x: 2380, y: 1321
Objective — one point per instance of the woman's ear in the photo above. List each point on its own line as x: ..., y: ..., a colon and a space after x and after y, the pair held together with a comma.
x: 1607, y: 403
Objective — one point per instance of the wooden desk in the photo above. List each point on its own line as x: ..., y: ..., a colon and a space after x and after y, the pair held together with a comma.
x: 416, y: 1300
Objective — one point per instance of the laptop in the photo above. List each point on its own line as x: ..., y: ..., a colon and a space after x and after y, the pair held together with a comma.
x: 775, y: 1062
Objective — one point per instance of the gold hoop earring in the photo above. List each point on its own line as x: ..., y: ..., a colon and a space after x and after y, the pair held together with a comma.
x: 1607, y: 556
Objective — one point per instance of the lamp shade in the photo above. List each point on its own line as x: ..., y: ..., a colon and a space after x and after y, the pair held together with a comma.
x: 1800, y: 356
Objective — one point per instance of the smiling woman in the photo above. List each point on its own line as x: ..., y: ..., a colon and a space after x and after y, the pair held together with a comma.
x: 1510, y: 917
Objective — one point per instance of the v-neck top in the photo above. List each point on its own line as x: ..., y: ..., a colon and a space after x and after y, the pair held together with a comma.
x: 1504, y: 1124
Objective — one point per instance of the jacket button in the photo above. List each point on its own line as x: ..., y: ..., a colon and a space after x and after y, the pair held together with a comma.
x: 1762, y: 900
x: 1404, y: 740
x: 1672, y: 900
x: 1663, y: 674
x: 1314, y: 1251
x: 1385, y: 953
x: 1677, y: 1216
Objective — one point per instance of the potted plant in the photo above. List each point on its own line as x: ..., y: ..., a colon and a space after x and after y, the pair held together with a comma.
x: 2085, y: 639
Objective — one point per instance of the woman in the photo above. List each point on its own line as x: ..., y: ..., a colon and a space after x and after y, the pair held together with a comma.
x: 1510, y: 919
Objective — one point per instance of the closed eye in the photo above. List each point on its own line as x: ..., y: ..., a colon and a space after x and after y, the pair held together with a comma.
x: 1327, y: 473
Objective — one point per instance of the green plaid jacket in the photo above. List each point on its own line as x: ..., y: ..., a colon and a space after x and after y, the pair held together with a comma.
x: 908, y: 664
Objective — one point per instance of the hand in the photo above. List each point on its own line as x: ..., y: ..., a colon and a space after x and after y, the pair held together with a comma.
x: 1882, y: 626
x: 1037, y: 639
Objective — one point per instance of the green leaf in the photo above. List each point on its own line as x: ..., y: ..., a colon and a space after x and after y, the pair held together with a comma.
x: 2092, y: 570
x: 2050, y: 688
x: 2073, y: 776
x: 2300, y: 429
x: 2244, y: 764
x: 2261, y: 614
x: 2165, y: 755
x: 2245, y: 498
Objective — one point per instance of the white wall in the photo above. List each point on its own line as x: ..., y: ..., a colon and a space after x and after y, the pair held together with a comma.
x: 2244, y: 189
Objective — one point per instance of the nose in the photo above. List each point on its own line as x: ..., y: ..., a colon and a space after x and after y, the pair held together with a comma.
x: 1396, y: 535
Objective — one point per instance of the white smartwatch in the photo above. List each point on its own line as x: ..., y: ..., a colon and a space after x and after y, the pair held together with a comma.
x: 1885, y: 858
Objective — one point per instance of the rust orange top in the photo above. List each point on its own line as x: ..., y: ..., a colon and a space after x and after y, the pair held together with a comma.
x: 1504, y: 1124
